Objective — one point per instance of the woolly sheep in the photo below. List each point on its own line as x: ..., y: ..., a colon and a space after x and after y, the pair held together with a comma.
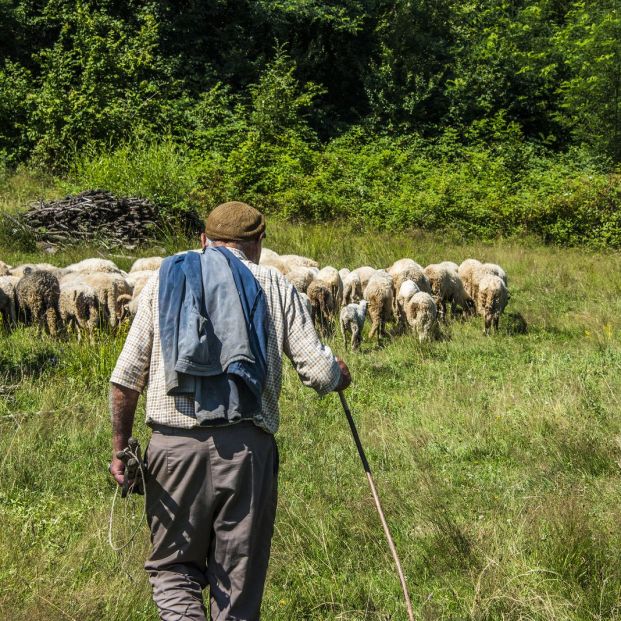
x: 137, y: 280
x: 492, y: 298
x: 421, y: 314
x: 450, y: 265
x: 300, y: 278
x: 37, y: 296
x: 352, y: 320
x: 322, y: 306
x: 109, y: 287
x: 79, y: 308
x: 343, y: 272
x: 466, y: 272
x: 5, y: 270
x: 447, y: 286
x: 271, y: 259
x: 331, y: 277
x: 402, y: 264
x: 94, y: 265
x: 296, y: 260
x: 7, y: 301
x: 352, y: 288
x: 364, y: 273
x: 406, y: 290
x: 26, y: 268
x: 147, y: 263
x: 379, y: 294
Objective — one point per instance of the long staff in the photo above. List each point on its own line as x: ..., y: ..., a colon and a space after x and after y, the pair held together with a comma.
x: 367, y: 469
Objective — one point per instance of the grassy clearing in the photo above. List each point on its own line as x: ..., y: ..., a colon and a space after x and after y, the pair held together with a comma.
x: 496, y: 459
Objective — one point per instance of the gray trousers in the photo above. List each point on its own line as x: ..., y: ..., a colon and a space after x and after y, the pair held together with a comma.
x: 211, y: 503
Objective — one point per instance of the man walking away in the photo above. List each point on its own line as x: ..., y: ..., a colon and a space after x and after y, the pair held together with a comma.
x: 208, y: 340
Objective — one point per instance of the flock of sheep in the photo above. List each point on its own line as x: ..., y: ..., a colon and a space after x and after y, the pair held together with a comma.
x: 95, y: 292
x: 407, y: 294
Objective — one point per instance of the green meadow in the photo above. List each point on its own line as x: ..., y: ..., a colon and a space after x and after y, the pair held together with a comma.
x: 497, y: 459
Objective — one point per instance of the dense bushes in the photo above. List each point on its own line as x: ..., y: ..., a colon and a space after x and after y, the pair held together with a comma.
x: 379, y: 182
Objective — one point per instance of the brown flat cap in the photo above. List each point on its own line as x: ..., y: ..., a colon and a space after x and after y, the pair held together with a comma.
x: 234, y: 221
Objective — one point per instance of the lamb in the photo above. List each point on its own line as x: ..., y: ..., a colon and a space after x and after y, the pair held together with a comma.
x: 94, y: 265
x: 322, y: 306
x: 379, y: 294
x: 492, y: 299
x: 301, y: 278
x: 352, y: 320
x: 447, y: 286
x: 352, y: 288
x: 331, y: 277
x: 38, y: 293
x: 7, y: 301
x: 421, y: 314
x: 79, y: 308
x: 148, y: 263
x: 407, y: 289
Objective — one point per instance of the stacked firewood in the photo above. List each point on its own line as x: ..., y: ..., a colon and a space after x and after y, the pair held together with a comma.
x: 93, y: 215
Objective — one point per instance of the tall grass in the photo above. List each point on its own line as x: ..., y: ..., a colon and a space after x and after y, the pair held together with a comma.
x: 497, y: 459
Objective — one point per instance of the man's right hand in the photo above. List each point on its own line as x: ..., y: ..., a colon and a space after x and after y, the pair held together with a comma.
x: 117, y: 470
x: 345, y: 376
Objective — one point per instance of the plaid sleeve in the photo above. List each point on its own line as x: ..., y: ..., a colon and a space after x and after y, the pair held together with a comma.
x: 314, y: 362
x: 132, y: 367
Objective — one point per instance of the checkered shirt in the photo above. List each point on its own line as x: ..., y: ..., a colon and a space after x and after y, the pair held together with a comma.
x: 290, y: 330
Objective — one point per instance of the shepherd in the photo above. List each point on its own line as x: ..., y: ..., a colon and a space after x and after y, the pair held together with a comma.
x: 208, y: 339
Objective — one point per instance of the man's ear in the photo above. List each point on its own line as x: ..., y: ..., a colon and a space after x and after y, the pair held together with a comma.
x: 204, y: 240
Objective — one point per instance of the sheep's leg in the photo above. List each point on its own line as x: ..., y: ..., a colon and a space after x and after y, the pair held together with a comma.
x: 496, y: 320
x: 355, y: 336
x: 488, y: 323
x: 343, y: 333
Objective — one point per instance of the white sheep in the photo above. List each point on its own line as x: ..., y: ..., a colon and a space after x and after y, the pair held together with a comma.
x: 421, y: 314
x: 26, y: 268
x: 331, y: 277
x: 94, y: 265
x: 5, y: 269
x: 269, y: 258
x: 447, y: 286
x: 137, y: 280
x: 322, y: 306
x: 379, y: 294
x: 352, y: 319
x: 109, y: 287
x: 300, y: 278
x: 364, y: 273
x: 492, y: 299
x: 147, y: 263
x: 296, y: 260
x: 8, y: 301
x: 407, y: 289
x: 79, y: 308
x: 466, y: 272
x: 352, y: 288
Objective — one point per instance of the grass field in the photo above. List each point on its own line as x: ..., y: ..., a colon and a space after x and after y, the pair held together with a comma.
x: 497, y: 459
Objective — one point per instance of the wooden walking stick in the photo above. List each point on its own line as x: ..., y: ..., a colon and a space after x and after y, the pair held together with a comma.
x: 367, y: 469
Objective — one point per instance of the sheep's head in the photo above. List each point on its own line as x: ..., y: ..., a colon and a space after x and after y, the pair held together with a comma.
x: 122, y: 303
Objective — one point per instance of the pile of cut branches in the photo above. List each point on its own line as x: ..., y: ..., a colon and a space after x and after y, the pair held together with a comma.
x: 93, y: 215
